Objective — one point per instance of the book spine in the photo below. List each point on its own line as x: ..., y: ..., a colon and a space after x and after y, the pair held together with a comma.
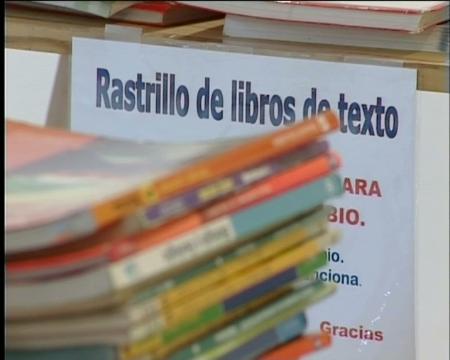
x: 217, y: 312
x: 278, y: 280
x: 181, y: 250
x: 282, y: 333
x: 151, y: 321
x: 163, y: 344
x: 295, y: 177
x: 189, y: 325
x: 269, y: 188
x: 225, y: 186
x: 220, y: 233
x: 268, y: 317
x: 54, y: 327
x: 287, y: 240
x: 267, y: 340
x: 179, y: 337
x: 195, y: 198
x: 232, y: 292
x: 267, y: 147
x: 287, y: 205
x: 37, y: 237
x: 299, y: 347
x: 222, y: 267
x: 227, y: 231
x: 213, y: 314
x: 193, y: 280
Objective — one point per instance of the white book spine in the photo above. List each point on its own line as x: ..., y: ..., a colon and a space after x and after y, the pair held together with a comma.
x: 158, y: 259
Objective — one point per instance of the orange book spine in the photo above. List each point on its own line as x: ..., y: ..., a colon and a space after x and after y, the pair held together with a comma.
x: 285, y: 181
x: 267, y: 147
x: 299, y: 347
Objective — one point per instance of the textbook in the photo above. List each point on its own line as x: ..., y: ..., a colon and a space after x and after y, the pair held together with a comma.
x: 158, y: 214
x: 94, y: 330
x: 196, y: 280
x: 296, y: 348
x: 254, y: 323
x: 279, y: 334
x: 202, y: 242
x: 103, y: 9
x: 225, y: 186
x: 305, y: 226
x: 144, y: 12
x: 116, y: 248
x: 209, y: 249
x: 268, y: 339
x: 163, y: 13
x: 179, y: 322
x: 256, y: 281
x: 68, y: 167
x: 433, y: 39
x: 412, y: 16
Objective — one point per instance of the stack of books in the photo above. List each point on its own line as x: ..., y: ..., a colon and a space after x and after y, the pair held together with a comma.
x: 411, y: 34
x: 161, y: 13
x: 122, y: 250
x: 405, y: 25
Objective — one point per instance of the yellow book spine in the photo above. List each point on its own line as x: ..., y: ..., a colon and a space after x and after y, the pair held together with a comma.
x: 267, y: 251
x: 251, y: 277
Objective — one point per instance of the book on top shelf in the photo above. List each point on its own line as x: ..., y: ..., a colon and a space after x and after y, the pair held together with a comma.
x: 412, y: 16
x: 162, y: 13
x: 433, y: 39
x: 103, y: 9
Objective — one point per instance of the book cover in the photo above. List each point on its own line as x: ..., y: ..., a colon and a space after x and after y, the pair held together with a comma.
x: 100, y: 181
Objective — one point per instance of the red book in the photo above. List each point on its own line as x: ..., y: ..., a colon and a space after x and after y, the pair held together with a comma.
x: 164, y: 13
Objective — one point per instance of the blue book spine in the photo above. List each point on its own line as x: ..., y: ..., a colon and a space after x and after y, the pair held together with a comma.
x: 285, y: 331
x: 286, y: 206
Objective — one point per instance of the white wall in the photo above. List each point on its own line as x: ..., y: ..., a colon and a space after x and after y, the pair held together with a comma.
x: 432, y: 245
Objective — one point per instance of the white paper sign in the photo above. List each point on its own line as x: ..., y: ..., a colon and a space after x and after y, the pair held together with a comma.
x: 139, y: 91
